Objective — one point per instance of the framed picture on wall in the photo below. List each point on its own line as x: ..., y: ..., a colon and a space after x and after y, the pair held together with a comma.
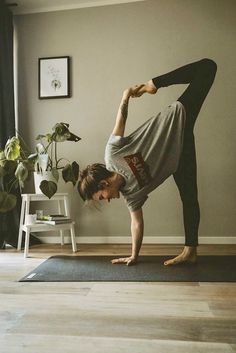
x: 54, y: 77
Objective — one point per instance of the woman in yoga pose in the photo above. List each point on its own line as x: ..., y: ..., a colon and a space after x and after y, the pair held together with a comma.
x: 163, y: 146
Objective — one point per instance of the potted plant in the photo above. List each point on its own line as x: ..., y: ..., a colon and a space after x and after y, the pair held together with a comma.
x: 16, y: 164
x: 47, y: 164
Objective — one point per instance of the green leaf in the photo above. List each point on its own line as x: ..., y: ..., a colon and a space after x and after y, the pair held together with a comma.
x: 48, y: 188
x: 55, y: 173
x: 67, y: 173
x: 75, y: 170
x: 7, y: 201
x: 71, y: 172
x: 62, y: 133
x: 12, y: 148
x: 21, y: 173
x: 73, y: 137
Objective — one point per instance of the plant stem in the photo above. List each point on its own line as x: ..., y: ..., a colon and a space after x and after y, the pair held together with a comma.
x: 52, y: 155
x: 56, y: 154
x: 46, y: 148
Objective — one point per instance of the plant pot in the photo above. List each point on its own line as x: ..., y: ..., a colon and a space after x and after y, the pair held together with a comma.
x: 38, y: 177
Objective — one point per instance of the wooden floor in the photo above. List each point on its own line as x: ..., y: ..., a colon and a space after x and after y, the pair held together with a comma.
x: 92, y: 317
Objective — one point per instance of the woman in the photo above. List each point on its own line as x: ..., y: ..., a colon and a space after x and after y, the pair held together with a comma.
x: 162, y: 146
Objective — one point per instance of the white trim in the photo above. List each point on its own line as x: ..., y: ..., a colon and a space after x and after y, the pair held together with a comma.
x: 146, y: 240
x: 24, y: 10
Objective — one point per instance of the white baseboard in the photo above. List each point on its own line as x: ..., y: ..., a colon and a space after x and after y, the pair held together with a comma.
x: 146, y: 240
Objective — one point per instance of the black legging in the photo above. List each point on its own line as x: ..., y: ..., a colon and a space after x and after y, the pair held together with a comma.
x: 200, y: 76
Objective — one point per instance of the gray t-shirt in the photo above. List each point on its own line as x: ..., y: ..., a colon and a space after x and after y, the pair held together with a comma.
x: 149, y: 155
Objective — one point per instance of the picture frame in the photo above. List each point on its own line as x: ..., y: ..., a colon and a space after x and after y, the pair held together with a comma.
x: 54, y: 77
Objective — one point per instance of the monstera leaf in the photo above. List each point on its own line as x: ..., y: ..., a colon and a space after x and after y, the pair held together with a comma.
x: 71, y: 173
x: 7, y: 201
x: 48, y: 188
x: 12, y: 148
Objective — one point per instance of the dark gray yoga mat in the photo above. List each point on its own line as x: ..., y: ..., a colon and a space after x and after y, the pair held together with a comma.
x: 148, y: 269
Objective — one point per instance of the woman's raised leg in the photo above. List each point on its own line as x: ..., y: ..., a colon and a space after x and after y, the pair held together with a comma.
x: 200, y: 77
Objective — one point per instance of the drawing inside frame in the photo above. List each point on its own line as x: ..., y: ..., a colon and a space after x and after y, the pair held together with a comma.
x: 54, y: 77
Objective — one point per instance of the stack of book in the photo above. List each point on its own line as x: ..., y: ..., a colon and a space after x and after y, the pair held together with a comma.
x: 54, y: 219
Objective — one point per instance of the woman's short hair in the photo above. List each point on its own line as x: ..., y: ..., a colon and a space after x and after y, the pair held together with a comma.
x: 90, y: 178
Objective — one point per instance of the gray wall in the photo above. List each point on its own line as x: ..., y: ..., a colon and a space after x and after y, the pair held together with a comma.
x: 111, y: 48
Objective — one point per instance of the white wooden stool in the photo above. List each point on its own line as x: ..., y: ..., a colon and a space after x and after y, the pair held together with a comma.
x: 61, y: 198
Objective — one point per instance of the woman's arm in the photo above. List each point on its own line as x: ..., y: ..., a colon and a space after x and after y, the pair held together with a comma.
x: 134, y: 92
x: 137, y: 227
x: 122, y: 113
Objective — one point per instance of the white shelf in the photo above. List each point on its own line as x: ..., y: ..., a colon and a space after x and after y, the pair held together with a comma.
x: 60, y: 198
x: 42, y: 227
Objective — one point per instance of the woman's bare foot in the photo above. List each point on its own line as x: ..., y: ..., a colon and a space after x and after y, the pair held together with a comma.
x: 148, y: 87
x: 188, y: 255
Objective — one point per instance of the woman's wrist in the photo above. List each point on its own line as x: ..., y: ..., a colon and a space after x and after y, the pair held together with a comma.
x: 126, y: 95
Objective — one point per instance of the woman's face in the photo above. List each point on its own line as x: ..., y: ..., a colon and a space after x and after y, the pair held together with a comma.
x: 108, y: 192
